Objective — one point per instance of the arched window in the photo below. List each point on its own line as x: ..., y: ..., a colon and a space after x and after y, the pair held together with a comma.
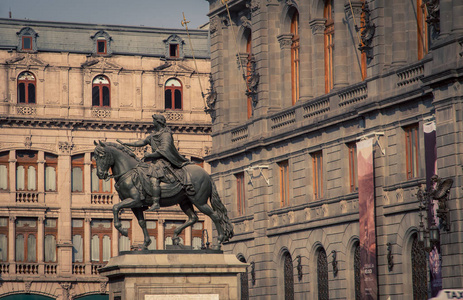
x: 422, y: 29
x: 295, y: 80
x: 419, y: 269
x: 244, y: 280
x: 173, y: 95
x: 322, y: 275
x: 101, y: 91
x: 288, y: 276
x: 329, y: 45
x: 26, y: 87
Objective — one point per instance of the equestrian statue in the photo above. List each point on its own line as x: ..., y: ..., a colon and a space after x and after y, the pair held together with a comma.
x: 162, y: 178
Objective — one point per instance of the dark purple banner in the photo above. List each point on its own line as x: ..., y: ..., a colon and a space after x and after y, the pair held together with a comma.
x: 435, y: 267
x: 368, y: 268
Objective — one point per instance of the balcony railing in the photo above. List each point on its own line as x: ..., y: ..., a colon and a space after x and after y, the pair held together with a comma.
x: 96, y: 266
x: 78, y: 268
x: 4, y: 268
x: 50, y: 268
x: 102, y: 198
x: 27, y: 268
x: 27, y: 197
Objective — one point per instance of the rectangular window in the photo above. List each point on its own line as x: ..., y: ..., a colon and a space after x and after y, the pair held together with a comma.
x: 26, y: 170
x: 3, y: 239
x: 411, y: 150
x: 353, y: 176
x: 101, y: 46
x: 422, y: 28
x: 151, y: 226
x: 169, y: 228
x: 101, y: 241
x: 124, y: 241
x: 77, y: 240
x: 51, y: 234
x: 27, y: 43
x: 173, y: 50
x: 284, y: 183
x: 329, y: 45
x: 317, y: 165
x: 77, y: 173
x: 26, y: 240
x: 240, y: 195
x: 99, y: 185
x: 51, y: 164
x: 4, y: 164
x: 197, y: 235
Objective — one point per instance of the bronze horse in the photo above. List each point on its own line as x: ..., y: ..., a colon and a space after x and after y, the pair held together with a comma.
x: 124, y: 163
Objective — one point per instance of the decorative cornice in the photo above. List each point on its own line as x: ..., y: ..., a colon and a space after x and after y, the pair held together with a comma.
x: 317, y: 26
x: 285, y: 40
x: 97, y: 125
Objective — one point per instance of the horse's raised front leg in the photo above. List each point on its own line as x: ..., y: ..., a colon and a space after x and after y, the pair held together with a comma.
x: 138, y: 212
x: 188, y: 209
x: 126, y: 203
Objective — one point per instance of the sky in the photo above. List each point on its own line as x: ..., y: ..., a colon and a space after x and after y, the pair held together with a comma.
x: 149, y: 13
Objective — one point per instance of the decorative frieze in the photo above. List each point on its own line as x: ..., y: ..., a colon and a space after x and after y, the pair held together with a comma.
x: 65, y: 147
x: 173, y: 116
x: 26, y: 110
x: 101, y: 113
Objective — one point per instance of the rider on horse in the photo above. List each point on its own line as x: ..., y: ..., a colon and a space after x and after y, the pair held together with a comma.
x: 165, y: 158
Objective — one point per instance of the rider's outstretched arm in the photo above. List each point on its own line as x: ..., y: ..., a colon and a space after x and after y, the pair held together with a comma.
x: 139, y: 143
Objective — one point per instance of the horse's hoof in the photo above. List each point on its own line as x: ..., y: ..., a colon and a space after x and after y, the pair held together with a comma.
x: 176, y: 241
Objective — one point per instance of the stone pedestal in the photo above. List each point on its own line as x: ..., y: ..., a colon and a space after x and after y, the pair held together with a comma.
x: 174, y: 274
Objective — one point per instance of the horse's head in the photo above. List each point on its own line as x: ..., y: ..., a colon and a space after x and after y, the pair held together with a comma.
x: 104, y: 159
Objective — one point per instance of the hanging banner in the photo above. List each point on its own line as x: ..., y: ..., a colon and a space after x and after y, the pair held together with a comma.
x: 435, y: 267
x: 366, y: 189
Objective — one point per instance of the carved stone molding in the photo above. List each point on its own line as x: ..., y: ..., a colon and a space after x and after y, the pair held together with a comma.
x: 26, y: 110
x: 245, y: 22
x: 433, y: 15
x: 253, y: 5
x: 173, y: 116
x: 317, y: 26
x: 285, y: 40
x: 356, y: 8
x: 252, y: 80
x: 367, y: 32
x: 214, y: 24
x: 27, y: 286
x: 65, y: 147
x: 211, y: 98
x: 66, y: 286
x: 103, y: 285
x: 28, y: 142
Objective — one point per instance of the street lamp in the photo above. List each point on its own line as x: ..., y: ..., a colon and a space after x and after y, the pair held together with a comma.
x: 429, y: 233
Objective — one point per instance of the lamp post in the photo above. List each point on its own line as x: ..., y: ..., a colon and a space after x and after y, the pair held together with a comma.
x: 429, y: 232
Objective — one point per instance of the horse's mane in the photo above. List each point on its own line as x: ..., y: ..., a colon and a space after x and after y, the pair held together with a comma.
x: 124, y: 149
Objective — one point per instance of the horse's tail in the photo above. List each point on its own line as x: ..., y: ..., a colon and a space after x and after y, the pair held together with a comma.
x: 221, y: 211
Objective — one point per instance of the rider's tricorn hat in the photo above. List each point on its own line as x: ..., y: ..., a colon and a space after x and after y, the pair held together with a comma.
x: 160, y: 119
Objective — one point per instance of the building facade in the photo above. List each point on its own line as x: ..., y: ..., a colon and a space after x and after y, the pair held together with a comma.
x: 321, y: 141
x: 64, y: 86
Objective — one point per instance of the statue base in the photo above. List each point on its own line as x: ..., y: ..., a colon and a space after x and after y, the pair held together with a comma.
x: 174, y: 274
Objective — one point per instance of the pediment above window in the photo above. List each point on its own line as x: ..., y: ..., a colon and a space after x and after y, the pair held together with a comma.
x: 26, y: 60
x: 100, y: 64
x: 174, y: 67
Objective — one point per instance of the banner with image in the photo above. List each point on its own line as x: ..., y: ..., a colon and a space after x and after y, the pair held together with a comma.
x: 366, y: 190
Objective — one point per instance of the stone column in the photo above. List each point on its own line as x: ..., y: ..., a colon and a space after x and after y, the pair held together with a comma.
x: 399, y: 33
x: 318, y: 55
x: 160, y: 245
x: 457, y: 10
x: 40, y: 243
x: 285, y: 41
x: 340, y: 67
x: 41, y: 176
x: 12, y: 175
x: 11, y: 242
x: 87, y: 242
x: 64, y: 243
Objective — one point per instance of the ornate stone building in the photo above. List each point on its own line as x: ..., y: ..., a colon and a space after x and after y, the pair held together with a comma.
x: 64, y: 85
x: 320, y: 151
